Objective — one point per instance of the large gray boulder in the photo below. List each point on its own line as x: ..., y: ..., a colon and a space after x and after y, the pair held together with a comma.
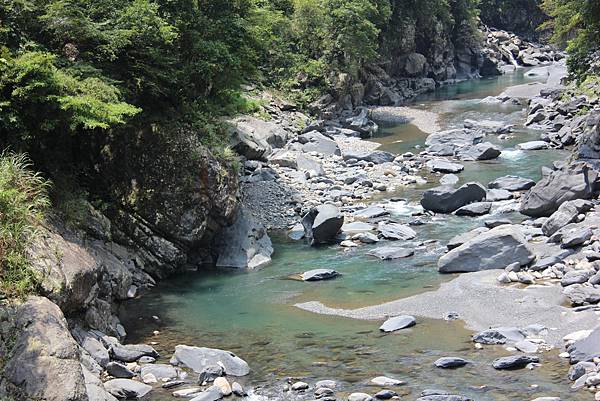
x: 444, y: 166
x: 446, y: 199
x: 314, y: 141
x: 566, y: 213
x: 494, y: 249
x: 44, y: 363
x: 454, y: 139
x: 579, y: 181
x: 375, y: 157
x: 198, y: 358
x: 245, y: 244
x: 322, y: 223
x: 480, y: 151
x: 255, y: 139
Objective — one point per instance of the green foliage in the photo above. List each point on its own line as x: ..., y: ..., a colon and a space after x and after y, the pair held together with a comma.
x: 576, y: 25
x: 23, y: 200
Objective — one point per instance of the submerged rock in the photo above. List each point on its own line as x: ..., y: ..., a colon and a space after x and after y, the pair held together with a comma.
x: 322, y: 223
x: 514, y: 362
x: 494, y: 249
x: 398, y: 323
x: 319, y: 274
x: 198, y: 358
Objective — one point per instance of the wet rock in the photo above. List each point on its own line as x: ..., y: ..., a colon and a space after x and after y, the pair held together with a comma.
x: 514, y: 362
x: 244, y: 244
x: 395, y: 231
x: 444, y: 166
x: 298, y: 386
x: 391, y: 252
x: 398, y: 323
x: 446, y: 199
x: 474, y: 209
x: 359, y: 397
x: 499, y: 335
x: 490, y: 250
x: 198, y: 358
x: 118, y: 370
x: 319, y: 274
x: 321, y: 224
x: 511, y: 183
x: 385, y: 394
x: 127, y: 389
x: 449, y: 362
x: 131, y: 352
x: 480, y: 151
x: 384, y: 381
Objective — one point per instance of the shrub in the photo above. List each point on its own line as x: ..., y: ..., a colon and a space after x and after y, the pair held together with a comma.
x: 23, y: 200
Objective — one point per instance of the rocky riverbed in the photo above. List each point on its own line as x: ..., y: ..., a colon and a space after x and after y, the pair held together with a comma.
x: 528, y: 265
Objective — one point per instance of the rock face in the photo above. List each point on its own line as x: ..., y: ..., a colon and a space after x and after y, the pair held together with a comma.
x: 321, y: 224
x: 494, y: 249
x: 244, y: 244
x: 579, y: 181
x: 586, y: 349
x: 589, y: 144
x: 45, y: 360
x: 198, y: 358
x: 446, y: 199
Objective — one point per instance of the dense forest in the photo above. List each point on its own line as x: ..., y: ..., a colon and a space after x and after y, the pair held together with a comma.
x: 86, y: 84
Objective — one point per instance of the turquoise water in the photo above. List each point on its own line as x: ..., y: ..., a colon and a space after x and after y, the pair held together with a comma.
x: 252, y: 313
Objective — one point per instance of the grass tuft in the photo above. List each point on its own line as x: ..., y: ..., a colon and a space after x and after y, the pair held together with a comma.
x: 23, y: 201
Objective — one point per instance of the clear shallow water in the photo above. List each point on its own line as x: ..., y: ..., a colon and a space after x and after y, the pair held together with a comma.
x: 253, y: 315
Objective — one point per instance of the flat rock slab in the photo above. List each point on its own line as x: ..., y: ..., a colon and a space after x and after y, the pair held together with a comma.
x: 127, y: 388
x: 384, y: 381
x: 391, y: 252
x: 398, y: 323
x: 474, y: 209
x: 395, y: 231
x: 370, y: 212
x: 533, y: 145
x: 514, y: 362
x: 449, y: 362
x: 444, y: 166
x: 319, y: 274
x: 198, y: 358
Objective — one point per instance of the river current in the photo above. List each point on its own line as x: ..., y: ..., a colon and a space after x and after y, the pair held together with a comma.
x: 253, y: 313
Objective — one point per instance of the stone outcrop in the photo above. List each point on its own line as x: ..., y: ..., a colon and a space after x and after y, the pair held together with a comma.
x: 45, y: 360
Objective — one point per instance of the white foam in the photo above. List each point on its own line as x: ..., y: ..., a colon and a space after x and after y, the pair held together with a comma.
x: 402, y: 208
x: 511, y: 154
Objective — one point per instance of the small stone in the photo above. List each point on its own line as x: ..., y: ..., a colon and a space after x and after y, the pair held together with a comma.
x: 298, y: 386
x: 238, y: 390
x: 359, y: 397
x: 386, y: 381
x: 397, y: 323
x: 223, y: 385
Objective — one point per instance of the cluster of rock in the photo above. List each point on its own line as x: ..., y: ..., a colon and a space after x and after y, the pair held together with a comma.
x: 326, y: 390
x: 505, y: 48
x: 562, y: 117
x: 88, y: 365
x: 583, y: 351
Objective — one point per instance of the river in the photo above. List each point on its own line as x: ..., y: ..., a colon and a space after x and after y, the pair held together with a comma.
x: 253, y: 313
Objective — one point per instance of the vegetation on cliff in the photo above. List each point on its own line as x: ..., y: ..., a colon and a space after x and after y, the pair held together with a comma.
x: 23, y: 201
